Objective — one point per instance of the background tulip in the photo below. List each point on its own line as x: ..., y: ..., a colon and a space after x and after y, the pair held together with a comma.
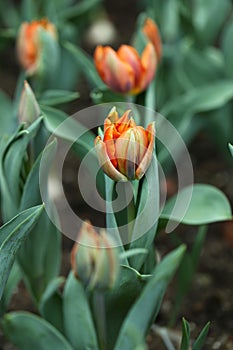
x: 94, y: 260
x: 126, y: 149
x: 32, y: 40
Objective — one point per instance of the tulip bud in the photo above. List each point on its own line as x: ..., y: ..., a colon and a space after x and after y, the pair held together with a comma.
x: 93, y: 260
x: 29, y: 109
x: 36, y: 45
x: 151, y: 31
x: 126, y: 150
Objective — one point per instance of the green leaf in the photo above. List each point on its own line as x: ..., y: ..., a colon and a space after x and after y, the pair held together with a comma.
x: 231, y: 148
x: 37, y: 333
x: 51, y: 307
x: 11, y: 284
x: 120, y: 299
x: 208, y: 18
x: 199, y: 343
x: 79, y: 10
x: 11, y: 181
x: 147, y: 214
x: 201, y: 99
x: 78, y: 323
x: 185, y: 335
x: 8, y: 121
x: 86, y: 64
x: 227, y: 49
x: 150, y: 300
x: 57, y: 97
x: 12, y: 234
x: 208, y: 204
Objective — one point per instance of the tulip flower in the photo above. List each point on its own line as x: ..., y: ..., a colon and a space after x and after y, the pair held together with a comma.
x: 151, y: 31
x: 94, y: 260
x: 30, y: 44
x: 124, y: 70
x: 126, y: 150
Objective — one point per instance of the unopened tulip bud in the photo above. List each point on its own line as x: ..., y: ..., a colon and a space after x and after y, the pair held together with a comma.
x: 151, y: 31
x: 29, y: 109
x: 94, y: 260
x: 33, y: 42
x: 126, y: 150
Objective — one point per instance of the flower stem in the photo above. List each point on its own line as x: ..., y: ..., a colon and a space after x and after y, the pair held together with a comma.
x: 100, y: 318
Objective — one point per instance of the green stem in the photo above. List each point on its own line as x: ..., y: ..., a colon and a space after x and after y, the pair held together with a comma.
x: 100, y: 318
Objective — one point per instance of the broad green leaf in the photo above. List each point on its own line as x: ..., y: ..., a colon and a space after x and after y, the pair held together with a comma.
x: 120, y: 299
x: 78, y: 322
x: 208, y: 18
x: 11, y: 181
x: 201, y: 99
x: 57, y: 97
x: 37, y: 333
x: 231, y: 149
x: 208, y: 204
x: 10, y: 286
x: 29, y: 10
x: 199, y: 343
x: 8, y: 121
x: 227, y: 49
x: 12, y: 234
x: 147, y: 214
x: 51, y: 304
x: 87, y: 65
x: 79, y: 10
x: 105, y: 95
x: 150, y: 300
x: 185, y: 335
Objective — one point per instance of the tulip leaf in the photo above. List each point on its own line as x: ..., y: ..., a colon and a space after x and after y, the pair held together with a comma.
x: 12, y: 234
x: 227, y: 50
x: 57, y: 97
x: 6, y: 111
x: 51, y: 304
x: 120, y: 299
x: 208, y: 204
x: 231, y: 149
x: 199, y: 342
x: 78, y: 323
x: 37, y: 333
x: 185, y: 335
x: 86, y: 63
x: 149, y: 300
x: 147, y: 214
x: 208, y: 18
x: 11, y: 181
x: 79, y: 10
x: 201, y: 99
x: 35, y: 253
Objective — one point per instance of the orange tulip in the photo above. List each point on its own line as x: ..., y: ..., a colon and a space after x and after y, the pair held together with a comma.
x: 124, y: 70
x: 126, y: 149
x: 151, y: 31
x: 30, y: 43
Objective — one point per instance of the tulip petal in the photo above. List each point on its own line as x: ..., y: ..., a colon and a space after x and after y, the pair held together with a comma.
x: 150, y: 29
x: 143, y: 166
x: 111, y: 118
x: 118, y: 75
x: 105, y: 161
x: 130, y: 55
x: 126, y: 153
x: 149, y: 64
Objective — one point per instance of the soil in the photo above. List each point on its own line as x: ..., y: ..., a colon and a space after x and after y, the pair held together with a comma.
x: 210, y: 297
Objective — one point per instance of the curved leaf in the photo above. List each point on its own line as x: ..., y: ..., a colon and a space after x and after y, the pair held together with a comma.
x: 208, y: 204
x: 28, y: 332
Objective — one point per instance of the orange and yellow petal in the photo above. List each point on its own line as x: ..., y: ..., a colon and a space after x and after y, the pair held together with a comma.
x: 128, y: 54
x: 150, y: 29
x: 105, y: 161
x: 149, y: 63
